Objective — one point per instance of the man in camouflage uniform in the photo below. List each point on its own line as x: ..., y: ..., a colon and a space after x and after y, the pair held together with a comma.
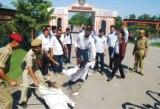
x: 32, y: 65
x: 140, y: 51
x: 6, y: 100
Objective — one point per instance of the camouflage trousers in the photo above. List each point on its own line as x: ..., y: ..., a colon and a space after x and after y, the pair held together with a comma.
x: 139, y: 60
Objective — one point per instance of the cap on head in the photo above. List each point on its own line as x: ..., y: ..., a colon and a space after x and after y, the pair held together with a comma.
x: 36, y: 42
x: 141, y: 31
x: 17, y: 37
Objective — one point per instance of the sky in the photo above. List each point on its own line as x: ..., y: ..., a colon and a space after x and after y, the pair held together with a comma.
x: 124, y: 7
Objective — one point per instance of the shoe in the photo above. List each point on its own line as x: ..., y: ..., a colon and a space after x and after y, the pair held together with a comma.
x: 120, y: 77
x: 109, y: 79
x: 134, y: 70
x: 75, y: 93
x: 141, y: 72
x: 94, y: 68
x: 89, y: 74
x: 23, y: 104
x: 101, y: 71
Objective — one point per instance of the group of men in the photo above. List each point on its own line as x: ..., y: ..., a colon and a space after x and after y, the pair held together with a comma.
x: 51, y: 49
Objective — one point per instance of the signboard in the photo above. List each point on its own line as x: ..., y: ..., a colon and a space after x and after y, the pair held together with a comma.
x: 81, y: 8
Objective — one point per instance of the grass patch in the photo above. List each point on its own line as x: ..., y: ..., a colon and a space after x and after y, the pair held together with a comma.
x: 155, y: 44
x: 15, y: 65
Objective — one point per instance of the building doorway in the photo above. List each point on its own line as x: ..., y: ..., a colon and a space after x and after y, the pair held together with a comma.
x: 103, y: 25
x: 59, y: 23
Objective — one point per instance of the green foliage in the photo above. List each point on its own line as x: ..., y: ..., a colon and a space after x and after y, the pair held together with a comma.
x: 1, y: 5
x: 80, y: 18
x: 31, y: 15
x: 118, y: 22
x: 132, y: 16
x: 144, y: 17
x: 150, y: 29
x: 16, y: 60
x: 154, y: 18
x: 5, y: 29
x: 156, y: 44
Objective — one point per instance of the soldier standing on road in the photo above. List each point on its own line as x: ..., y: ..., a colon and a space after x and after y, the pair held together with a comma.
x: 140, y: 52
x: 6, y: 100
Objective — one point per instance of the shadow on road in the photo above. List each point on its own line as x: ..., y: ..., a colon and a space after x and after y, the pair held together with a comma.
x: 127, y: 68
x: 17, y: 94
x: 154, y: 95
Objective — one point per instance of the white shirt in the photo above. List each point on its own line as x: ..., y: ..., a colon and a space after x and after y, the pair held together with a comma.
x: 77, y: 42
x: 55, y: 98
x: 79, y: 73
x: 62, y: 38
x: 52, y: 34
x: 111, y: 39
x: 68, y: 38
x: 126, y: 34
x: 86, y: 43
x: 57, y: 48
x: 116, y: 49
x: 93, y: 34
x: 101, y: 44
x: 46, y: 42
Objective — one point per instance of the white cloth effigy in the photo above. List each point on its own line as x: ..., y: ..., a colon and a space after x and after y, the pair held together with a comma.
x: 79, y: 73
x: 55, y: 98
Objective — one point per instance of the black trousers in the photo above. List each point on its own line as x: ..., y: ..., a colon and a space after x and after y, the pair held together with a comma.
x: 68, y: 58
x: 45, y: 64
x: 110, y: 59
x: 82, y: 54
x: 101, y: 56
x: 117, y: 65
x: 59, y: 59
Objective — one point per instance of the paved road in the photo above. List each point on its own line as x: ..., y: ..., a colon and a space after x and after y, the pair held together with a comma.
x: 134, y: 92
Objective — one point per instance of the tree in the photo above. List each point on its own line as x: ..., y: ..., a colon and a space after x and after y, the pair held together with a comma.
x: 144, y: 17
x: 80, y: 18
x: 118, y: 22
x: 5, y: 29
x: 1, y: 5
x: 132, y: 16
x: 31, y: 15
x: 154, y: 18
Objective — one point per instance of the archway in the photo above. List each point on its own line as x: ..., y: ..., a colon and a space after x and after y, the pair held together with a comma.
x: 100, y: 18
x: 59, y: 23
x: 103, y: 25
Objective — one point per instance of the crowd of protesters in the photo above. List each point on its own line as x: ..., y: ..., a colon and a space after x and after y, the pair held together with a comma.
x: 52, y: 48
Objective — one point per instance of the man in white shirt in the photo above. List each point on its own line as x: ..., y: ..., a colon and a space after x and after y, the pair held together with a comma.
x: 68, y: 40
x: 45, y: 37
x: 118, y: 55
x: 58, y: 51
x: 111, y: 40
x: 85, y: 47
x: 101, y: 47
